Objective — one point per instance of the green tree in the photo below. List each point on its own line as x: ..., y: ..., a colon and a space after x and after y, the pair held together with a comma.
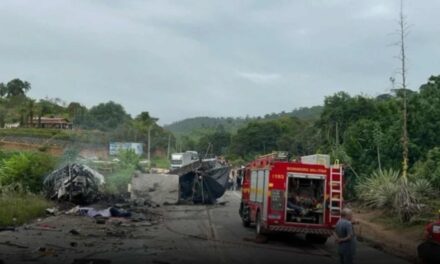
x: 217, y: 142
x: 77, y: 113
x: 15, y: 87
x: 43, y: 108
x: 31, y: 111
x: 106, y: 116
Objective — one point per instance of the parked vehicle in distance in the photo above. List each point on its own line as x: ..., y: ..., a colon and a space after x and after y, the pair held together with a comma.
x: 179, y: 160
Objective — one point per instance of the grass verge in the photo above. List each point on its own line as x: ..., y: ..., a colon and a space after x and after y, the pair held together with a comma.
x: 22, y: 207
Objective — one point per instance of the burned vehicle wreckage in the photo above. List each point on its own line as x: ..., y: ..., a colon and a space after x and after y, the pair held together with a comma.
x: 74, y: 182
x: 200, y: 182
x: 203, y: 181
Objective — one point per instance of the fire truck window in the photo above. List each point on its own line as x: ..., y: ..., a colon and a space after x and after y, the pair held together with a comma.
x: 305, y: 200
x: 253, y: 186
x: 260, y: 186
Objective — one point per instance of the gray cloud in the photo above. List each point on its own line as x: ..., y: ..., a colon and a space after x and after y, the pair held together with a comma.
x: 186, y: 58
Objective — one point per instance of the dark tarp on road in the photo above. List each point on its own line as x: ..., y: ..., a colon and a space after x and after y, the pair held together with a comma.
x: 205, y: 184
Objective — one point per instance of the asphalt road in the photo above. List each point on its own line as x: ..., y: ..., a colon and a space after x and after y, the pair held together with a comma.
x: 214, y: 234
x: 184, y: 234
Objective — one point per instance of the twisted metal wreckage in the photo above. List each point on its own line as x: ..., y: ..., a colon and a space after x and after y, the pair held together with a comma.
x: 74, y: 182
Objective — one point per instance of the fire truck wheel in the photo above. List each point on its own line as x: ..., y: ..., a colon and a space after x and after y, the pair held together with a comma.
x: 246, y: 223
x: 316, y: 239
x: 244, y: 213
x: 258, y: 225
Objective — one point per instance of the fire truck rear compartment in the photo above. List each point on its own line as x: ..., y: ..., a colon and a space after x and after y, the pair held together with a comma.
x: 305, y: 199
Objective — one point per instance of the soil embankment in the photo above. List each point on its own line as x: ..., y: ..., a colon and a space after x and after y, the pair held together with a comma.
x: 53, y: 147
x: 399, y: 241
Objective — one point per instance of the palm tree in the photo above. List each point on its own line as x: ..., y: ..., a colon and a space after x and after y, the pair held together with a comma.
x: 16, y: 87
x: 31, y: 109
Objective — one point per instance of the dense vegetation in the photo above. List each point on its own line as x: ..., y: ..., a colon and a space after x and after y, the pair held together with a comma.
x: 26, y: 169
x: 21, y: 177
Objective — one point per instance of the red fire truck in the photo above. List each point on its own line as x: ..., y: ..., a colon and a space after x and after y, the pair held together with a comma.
x: 299, y: 197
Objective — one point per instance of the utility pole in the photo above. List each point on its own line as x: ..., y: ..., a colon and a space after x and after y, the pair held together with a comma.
x: 403, y: 31
x: 337, y: 134
x: 169, y: 146
x: 149, y: 147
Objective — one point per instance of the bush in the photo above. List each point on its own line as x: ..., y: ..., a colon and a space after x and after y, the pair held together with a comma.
x: 27, y: 169
x: 378, y: 190
x: 390, y: 191
x: 128, y: 159
x: 117, y: 182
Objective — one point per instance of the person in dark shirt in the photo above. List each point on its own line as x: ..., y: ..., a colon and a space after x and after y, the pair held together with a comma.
x: 239, y: 179
x: 345, y: 237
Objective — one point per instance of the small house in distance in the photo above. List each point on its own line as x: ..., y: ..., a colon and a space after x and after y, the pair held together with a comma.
x: 51, y: 122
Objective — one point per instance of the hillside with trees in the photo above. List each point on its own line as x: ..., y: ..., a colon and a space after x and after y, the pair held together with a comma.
x: 198, y: 126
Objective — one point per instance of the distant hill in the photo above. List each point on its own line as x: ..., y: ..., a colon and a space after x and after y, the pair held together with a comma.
x: 198, y: 126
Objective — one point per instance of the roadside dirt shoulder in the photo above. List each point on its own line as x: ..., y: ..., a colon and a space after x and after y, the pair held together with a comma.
x: 399, y: 241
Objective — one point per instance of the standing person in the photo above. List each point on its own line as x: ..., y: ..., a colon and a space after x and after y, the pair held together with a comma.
x: 230, y: 182
x: 234, y: 180
x: 239, y: 178
x: 345, y: 237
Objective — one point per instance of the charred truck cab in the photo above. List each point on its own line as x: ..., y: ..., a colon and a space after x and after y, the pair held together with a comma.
x: 298, y: 197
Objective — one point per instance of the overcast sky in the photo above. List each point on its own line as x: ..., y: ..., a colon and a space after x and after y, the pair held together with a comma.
x: 186, y: 58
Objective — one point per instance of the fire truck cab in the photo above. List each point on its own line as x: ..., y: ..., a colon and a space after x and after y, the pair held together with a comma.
x: 299, y: 197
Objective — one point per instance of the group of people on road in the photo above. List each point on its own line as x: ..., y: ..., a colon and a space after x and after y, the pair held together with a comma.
x: 235, y: 179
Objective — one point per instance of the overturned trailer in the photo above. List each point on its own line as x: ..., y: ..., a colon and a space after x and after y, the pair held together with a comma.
x: 200, y: 182
x: 203, y: 181
x: 74, y: 182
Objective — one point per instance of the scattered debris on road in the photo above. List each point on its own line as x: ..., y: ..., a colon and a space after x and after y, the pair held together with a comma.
x: 51, y: 211
x: 154, y: 189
